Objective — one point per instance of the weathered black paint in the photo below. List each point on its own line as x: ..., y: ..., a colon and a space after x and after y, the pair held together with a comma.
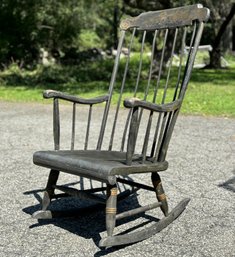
x: 108, y: 165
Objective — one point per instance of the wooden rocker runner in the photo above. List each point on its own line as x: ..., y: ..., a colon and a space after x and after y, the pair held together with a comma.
x: 140, y: 131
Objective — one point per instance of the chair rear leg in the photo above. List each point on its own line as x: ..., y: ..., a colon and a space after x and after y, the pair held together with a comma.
x: 111, y: 209
x: 161, y: 197
x: 50, y: 190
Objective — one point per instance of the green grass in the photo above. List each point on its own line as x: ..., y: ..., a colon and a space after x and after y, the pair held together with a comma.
x: 210, y: 92
x: 210, y: 99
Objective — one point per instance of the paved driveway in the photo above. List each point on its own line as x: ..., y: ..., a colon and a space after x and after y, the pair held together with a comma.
x: 202, y: 167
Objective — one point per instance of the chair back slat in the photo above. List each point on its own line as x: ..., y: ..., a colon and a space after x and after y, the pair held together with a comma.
x: 148, y: 129
x: 182, y: 49
x: 121, y: 90
x: 169, y: 68
x: 73, y: 126
x: 88, y: 127
x: 191, y: 58
x: 152, y: 60
x: 160, y: 67
x: 111, y: 88
x: 140, y: 63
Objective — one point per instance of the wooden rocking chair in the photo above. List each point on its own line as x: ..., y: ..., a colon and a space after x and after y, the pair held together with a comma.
x: 121, y: 151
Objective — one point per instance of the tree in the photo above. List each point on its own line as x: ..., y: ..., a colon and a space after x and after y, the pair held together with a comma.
x: 18, y: 27
x: 26, y: 26
x: 149, y: 5
x: 222, y: 13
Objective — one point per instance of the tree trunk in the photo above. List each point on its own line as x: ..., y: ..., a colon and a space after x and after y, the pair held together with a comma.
x: 215, y: 59
x: 215, y: 54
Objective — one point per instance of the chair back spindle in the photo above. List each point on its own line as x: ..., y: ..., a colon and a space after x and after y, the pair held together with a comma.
x: 73, y: 126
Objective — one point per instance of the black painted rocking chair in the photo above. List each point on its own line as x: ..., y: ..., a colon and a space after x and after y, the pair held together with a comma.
x: 120, y: 150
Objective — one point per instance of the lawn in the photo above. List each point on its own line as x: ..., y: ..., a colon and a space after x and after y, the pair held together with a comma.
x: 210, y: 92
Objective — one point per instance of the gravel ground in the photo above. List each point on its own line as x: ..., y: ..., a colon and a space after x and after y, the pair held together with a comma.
x: 202, y: 167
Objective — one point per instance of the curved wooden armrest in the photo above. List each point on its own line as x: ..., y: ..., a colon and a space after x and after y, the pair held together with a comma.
x: 56, y: 94
x: 135, y: 102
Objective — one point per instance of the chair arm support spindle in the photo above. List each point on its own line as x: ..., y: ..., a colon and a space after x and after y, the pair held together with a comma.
x: 132, y: 136
x: 56, y: 124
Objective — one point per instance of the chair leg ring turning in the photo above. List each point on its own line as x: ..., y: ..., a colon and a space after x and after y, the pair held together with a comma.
x: 111, y: 209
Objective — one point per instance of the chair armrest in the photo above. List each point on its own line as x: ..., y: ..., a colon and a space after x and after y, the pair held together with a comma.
x: 56, y: 94
x: 135, y: 102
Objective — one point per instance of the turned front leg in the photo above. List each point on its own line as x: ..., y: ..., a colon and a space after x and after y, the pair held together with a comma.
x: 111, y: 208
x: 161, y: 197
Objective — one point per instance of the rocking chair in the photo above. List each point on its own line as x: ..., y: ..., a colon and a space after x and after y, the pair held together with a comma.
x: 155, y: 95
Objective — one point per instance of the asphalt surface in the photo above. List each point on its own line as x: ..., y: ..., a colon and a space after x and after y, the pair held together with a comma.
x: 202, y: 166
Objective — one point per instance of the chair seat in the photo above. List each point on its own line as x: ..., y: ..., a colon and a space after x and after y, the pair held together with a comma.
x: 100, y: 165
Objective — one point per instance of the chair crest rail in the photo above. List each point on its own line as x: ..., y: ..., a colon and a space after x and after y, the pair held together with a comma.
x: 169, y: 18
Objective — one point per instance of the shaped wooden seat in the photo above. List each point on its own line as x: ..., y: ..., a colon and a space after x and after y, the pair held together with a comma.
x: 133, y: 135
x: 100, y: 165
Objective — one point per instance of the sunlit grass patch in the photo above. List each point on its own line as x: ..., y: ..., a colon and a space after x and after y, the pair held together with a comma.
x: 210, y: 92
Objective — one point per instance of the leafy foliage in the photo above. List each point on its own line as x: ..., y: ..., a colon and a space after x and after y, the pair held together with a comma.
x: 26, y: 26
x: 62, y: 29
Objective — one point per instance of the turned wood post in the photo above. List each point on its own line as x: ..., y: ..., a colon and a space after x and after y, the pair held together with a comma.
x: 111, y: 209
x: 161, y: 197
